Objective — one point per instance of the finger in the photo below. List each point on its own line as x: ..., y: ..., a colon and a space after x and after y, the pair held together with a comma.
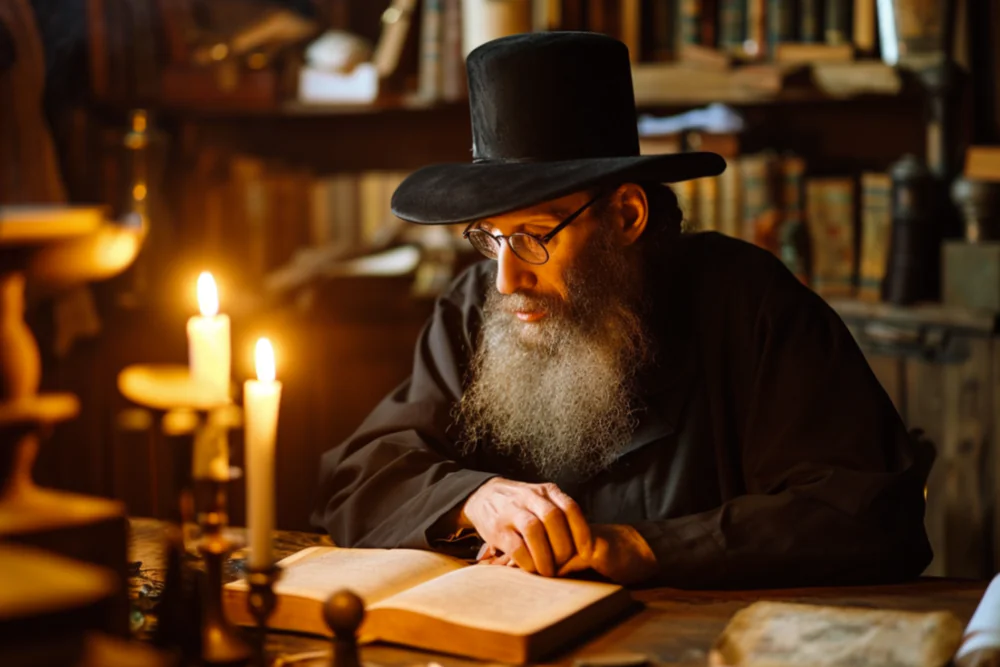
x: 575, y: 564
x: 513, y: 545
x: 502, y: 559
x: 533, y: 533
x: 486, y: 551
x: 556, y: 529
x: 578, y: 525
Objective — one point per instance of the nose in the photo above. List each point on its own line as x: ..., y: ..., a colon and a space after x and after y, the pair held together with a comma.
x: 512, y: 273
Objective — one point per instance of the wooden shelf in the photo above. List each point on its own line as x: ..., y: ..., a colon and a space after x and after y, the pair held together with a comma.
x: 672, y: 84
x: 656, y: 85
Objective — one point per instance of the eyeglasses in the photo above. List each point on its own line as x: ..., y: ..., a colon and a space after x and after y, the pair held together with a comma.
x: 527, y: 247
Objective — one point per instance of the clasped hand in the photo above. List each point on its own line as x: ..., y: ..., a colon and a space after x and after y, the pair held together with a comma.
x: 538, y: 528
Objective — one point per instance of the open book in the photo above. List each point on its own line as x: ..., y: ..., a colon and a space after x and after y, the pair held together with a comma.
x: 431, y: 601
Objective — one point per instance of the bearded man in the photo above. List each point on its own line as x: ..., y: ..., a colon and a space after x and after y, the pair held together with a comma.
x: 605, y: 393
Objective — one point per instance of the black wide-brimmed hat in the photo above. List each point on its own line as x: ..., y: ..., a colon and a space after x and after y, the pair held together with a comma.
x: 552, y: 113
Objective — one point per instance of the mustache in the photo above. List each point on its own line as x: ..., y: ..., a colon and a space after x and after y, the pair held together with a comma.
x: 522, y: 301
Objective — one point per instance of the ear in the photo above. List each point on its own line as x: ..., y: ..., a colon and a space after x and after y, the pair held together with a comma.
x: 633, y: 212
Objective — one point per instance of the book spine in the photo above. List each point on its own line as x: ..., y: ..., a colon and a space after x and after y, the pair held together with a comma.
x: 631, y: 28
x: 572, y: 14
x: 430, y: 75
x: 732, y: 25
x: 837, y: 22
x: 810, y: 22
x: 596, y: 17
x: 710, y: 23
x: 793, y: 235
x: 689, y: 22
x: 864, y: 26
x: 760, y: 212
x: 731, y: 199
x: 755, y: 45
x: 687, y: 199
x: 658, y: 31
x: 452, y: 63
x: 780, y: 23
x: 830, y: 218
x: 876, y: 227
x: 708, y: 203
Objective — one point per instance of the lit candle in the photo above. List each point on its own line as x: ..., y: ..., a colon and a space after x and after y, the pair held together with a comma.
x: 260, y: 405
x: 208, y: 340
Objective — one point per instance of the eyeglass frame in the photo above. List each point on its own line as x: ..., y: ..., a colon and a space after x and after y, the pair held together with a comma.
x: 542, y: 240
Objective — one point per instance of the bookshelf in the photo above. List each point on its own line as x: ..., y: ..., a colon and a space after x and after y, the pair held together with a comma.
x: 360, y: 349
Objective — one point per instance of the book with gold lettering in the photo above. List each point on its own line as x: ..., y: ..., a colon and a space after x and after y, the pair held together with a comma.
x: 432, y: 601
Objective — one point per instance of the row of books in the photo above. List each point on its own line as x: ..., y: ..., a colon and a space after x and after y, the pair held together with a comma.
x: 754, y: 29
x: 254, y: 215
x: 833, y: 232
x: 791, y: 31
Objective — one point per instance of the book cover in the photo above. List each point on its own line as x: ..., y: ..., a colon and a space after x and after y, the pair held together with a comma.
x: 794, y: 240
x: 707, y: 204
x: 810, y: 22
x: 838, y: 28
x: 431, y: 601
x: 761, y: 215
x: 781, y: 24
x: 876, y: 230
x: 689, y: 21
x: 731, y: 199
x: 732, y: 25
x: 830, y: 220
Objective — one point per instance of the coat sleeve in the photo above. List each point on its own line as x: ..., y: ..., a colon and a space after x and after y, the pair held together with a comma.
x: 390, y: 482
x: 833, y: 485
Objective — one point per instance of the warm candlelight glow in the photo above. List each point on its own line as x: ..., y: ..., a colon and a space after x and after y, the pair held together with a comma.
x: 208, y: 295
x: 265, y: 360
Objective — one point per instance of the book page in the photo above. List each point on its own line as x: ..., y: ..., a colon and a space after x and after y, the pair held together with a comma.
x: 373, y: 574
x: 499, y: 599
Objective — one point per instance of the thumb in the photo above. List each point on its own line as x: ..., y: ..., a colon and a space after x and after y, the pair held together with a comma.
x: 575, y: 564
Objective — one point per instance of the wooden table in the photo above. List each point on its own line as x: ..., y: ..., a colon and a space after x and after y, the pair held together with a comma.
x: 673, y: 626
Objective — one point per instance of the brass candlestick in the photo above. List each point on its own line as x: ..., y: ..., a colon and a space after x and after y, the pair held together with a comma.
x: 261, y: 602
x: 220, y: 643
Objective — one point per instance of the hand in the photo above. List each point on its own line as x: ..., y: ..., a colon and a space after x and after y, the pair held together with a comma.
x: 537, y: 525
x: 620, y: 553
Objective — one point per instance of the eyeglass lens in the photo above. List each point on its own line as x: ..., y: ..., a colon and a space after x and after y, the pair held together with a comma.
x: 525, y: 246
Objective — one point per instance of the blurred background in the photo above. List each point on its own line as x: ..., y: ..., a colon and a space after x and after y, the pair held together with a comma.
x: 262, y: 141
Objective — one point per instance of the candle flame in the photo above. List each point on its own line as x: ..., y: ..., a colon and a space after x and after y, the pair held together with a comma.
x: 265, y: 360
x: 208, y: 295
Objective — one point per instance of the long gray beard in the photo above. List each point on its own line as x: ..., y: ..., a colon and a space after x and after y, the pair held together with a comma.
x: 560, y: 394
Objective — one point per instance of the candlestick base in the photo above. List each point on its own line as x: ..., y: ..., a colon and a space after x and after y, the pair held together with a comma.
x: 261, y: 602
x: 220, y: 643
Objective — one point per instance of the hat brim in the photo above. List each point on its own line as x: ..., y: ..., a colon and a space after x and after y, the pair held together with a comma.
x: 461, y: 193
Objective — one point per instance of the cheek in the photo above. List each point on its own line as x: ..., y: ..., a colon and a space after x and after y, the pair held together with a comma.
x: 552, y: 281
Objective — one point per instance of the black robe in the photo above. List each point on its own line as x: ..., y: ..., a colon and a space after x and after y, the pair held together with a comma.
x: 768, y: 455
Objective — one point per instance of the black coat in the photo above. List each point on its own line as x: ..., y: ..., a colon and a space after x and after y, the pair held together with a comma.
x: 769, y: 455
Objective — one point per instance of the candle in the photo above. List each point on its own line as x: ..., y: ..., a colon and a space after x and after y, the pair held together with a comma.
x: 208, y: 340
x: 260, y: 405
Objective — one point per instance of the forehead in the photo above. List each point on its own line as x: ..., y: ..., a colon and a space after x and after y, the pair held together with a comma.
x: 548, y: 212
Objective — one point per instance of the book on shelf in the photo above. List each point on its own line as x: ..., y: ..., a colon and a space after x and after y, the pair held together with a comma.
x: 254, y: 215
x: 431, y: 601
x: 830, y: 220
x: 982, y: 163
x: 876, y: 231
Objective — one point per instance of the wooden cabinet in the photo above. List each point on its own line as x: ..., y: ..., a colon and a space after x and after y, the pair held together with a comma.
x: 941, y: 367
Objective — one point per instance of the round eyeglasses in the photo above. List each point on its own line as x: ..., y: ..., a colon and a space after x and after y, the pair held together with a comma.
x: 527, y: 247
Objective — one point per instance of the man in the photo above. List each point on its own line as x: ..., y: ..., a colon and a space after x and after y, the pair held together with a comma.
x: 604, y: 393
